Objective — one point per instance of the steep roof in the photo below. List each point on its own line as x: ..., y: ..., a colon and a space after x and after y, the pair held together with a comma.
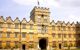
x: 31, y: 22
x: 2, y: 19
x: 17, y: 20
x: 24, y: 21
x: 9, y: 20
x: 53, y: 23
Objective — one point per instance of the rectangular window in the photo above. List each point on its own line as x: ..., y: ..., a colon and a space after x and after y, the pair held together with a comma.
x: 65, y: 35
x: 31, y: 26
x: 8, y: 43
x: 39, y: 28
x: 44, y: 29
x: 69, y: 28
x: 59, y: 28
x: 64, y: 28
x: 59, y: 35
x: 65, y: 44
x: 9, y: 25
x: 53, y: 27
x: 16, y: 35
x: 23, y: 35
x: 24, y: 26
x: 16, y: 26
x: 53, y: 34
x: 73, y: 28
x: 8, y: 35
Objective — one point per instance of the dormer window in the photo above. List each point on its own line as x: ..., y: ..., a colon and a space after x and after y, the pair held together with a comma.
x: 31, y: 26
x: 64, y: 28
x: 9, y: 25
x: 24, y: 26
x: 53, y: 27
x: 16, y: 26
x: 68, y: 28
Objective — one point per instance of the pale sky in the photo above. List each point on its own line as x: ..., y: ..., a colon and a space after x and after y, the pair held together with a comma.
x: 62, y: 10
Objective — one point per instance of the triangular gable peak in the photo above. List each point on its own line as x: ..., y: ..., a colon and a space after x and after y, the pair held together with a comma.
x: 58, y: 23
x: 63, y: 23
x: 9, y: 20
x: 53, y: 23
x: 73, y: 24
x: 2, y: 19
x: 31, y: 22
x: 68, y: 24
x: 77, y: 24
x: 24, y: 21
x: 17, y: 20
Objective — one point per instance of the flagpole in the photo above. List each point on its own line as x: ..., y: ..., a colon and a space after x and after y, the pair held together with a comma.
x: 38, y: 3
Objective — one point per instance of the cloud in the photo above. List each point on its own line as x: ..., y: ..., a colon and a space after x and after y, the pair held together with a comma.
x: 70, y: 3
x: 68, y: 10
x: 56, y: 3
x: 74, y: 18
x: 34, y: 2
x: 25, y: 2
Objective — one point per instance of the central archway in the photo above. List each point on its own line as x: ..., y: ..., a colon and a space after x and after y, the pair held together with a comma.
x: 43, y: 43
x: 23, y: 47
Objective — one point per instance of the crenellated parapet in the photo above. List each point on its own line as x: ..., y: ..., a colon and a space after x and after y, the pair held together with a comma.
x: 62, y: 23
x: 24, y: 21
x: 44, y: 8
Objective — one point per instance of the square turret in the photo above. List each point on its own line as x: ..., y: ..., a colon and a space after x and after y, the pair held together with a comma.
x: 40, y: 15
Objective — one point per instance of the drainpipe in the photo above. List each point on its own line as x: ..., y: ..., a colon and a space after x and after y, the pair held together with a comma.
x: 20, y: 36
x: 62, y: 38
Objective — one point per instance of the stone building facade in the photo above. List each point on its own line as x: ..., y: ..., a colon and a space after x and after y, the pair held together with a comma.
x: 39, y: 32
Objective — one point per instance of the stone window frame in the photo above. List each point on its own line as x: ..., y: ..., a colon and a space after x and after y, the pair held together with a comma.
x: 59, y: 35
x: 53, y: 27
x: 31, y: 26
x: 8, y: 34
x: 23, y: 26
x: 16, y: 34
x: 17, y: 25
x: 53, y: 34
x: 9, y: 25
x: 23, y: 35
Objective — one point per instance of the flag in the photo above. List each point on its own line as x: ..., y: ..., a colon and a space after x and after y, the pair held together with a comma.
x: 38, y: 2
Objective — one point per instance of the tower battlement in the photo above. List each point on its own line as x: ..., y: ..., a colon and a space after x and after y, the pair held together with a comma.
x: 44, y: 8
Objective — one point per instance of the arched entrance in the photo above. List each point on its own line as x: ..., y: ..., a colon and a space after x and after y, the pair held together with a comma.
x: 43, y: 43
x: 23, y: 47
x: 59, y: 46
